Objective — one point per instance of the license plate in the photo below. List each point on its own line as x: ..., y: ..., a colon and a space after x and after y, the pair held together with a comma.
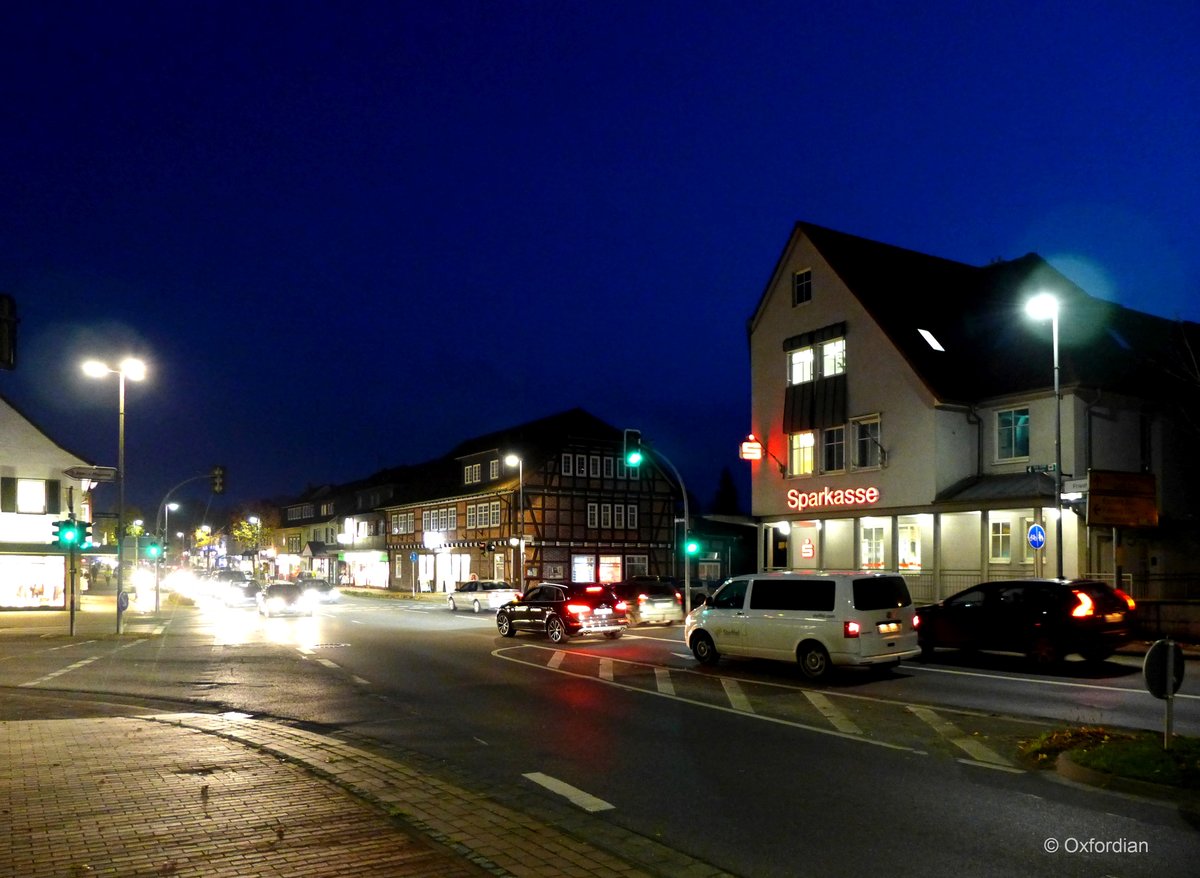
x: 889, y: 627
x: 604, y: 612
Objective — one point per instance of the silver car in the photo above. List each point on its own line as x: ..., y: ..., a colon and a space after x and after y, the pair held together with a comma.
x: 650, y: 603
x: 480, y: 594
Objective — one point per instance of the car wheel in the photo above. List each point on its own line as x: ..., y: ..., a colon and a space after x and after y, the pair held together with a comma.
x: 475, y: 606
x: 814, y: 660
x: 556, y: 630
x: 1043, y: 653
x: 613, y: 635
x: 504, y: 625
x: 453, y: 606
x: 704, y: 649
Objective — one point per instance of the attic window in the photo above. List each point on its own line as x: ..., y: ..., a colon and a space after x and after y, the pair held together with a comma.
x: 801, y: 287
x: 930, y: 340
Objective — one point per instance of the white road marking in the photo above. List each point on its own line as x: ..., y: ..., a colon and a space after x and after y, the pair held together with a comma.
x: 977, y: 750
x: 1036, y: 680
x: 662, y: 678
x: 575, y: 796
x: 837, y: 718
x: 556, y: 660
x: 606, y: 669
x: 327, y: 663
x: 359, y: 680
x: 60, y: 672
x: 737, y: 698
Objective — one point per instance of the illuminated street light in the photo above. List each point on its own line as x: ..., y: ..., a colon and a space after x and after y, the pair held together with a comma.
x: 134, y: 370
x: 1044, y: 306
x: 519, y: 463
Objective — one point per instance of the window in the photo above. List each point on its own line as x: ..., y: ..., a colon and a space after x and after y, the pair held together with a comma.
x: 608, y: 467
x: 594, y: 466
x: 708, y: 570
x: 470, y: 518
x: 494, y: 469
x: 621, y: 468
x: 833, y: 452
x: 610, y: 568
x: 472, y: 474
x: 606, y: 515
x: 32, y: 495
x: 910, y: 546
x: 815, y: 595
x: 619, y: 517
x: 867, y: 450
x: 494, y: 509
x: 1001, y: 542
x: 631, y: 517
x: 801, y: 366
x: 833, y: 357
x: 592, y: 514
x: 801, y: 287
x: 637, y: 565
x: 581, y: 464
x: 801, y: 453
x: 583, y: 568
x: 1012, y: 434
x: 566, y: 464
x: 871, y: 544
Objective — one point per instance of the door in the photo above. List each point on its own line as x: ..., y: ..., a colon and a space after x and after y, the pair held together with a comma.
x: 725, y: 617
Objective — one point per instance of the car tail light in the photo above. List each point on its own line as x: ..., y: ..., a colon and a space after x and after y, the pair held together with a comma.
x: 578, y: 609
x: 642, y: 598
x: 1086, y: 605
x: 1126, y: 598
x: 851, y: 629
x: 678, y: 598
x: 594, y: 589
x: 622, y: 606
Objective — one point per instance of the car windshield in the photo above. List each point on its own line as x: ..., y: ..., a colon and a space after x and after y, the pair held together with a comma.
x: 881, y: 593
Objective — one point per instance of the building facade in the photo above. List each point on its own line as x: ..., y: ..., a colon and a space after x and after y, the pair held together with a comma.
x: 34, y: 493
x: 903, y: 417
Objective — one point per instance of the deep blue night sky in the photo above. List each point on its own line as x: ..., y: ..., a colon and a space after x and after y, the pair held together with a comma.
x: 347, y: 236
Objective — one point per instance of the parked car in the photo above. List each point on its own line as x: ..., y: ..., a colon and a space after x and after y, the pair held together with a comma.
x: 1043, y: 619
x: 285, y: 598
x: 321, y: 591
x: 650, y: 602
x: 481, y: 593
x: 241, y: 593
x: 562, y: 611
x: 819, y: 620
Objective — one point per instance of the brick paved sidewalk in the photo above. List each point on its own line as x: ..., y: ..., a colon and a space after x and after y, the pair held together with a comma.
x: 189, y: 794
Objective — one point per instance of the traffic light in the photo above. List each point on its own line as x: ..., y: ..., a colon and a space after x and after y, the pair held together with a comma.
x: 68, y: 534
x: 153, y: 551
x: 691, y: 546
x: 633, y: 447
x: 85, y: 533
x: 218, y: 480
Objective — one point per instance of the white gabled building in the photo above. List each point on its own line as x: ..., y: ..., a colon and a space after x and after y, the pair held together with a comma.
x: 905, y: 409
x: 34, y: 493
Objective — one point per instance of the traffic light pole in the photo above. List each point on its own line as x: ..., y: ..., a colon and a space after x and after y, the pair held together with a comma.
x: 687, y: 566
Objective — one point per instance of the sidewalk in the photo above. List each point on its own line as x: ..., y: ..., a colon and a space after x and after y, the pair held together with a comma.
x: 189, y: 794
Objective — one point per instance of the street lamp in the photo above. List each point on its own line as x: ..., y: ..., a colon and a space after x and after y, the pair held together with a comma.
x: 1044, y: 306
x: 167, y: 509
x: 519, y: 463
x: 134, y: 370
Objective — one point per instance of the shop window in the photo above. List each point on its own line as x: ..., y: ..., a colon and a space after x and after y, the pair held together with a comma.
x: 637, y: 565
x: 583, y: 568
x: 1012, y: 434
x: 871, y: 543
x: 610, y: 568
x: 909, y: 546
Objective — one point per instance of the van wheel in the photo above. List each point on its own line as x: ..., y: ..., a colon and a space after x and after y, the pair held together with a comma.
x: 814, y: 660
x: 704, y: 649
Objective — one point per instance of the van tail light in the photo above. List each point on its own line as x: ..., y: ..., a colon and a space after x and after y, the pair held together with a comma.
x: 916, y: 621
x: 678, y: 598
x: 642, y: 599
x: 1129, y: 602
x: 578, y: 609
x: 851, y: 629
x: 1086, y: 606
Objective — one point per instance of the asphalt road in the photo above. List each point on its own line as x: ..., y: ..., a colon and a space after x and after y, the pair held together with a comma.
x: 744, y: 765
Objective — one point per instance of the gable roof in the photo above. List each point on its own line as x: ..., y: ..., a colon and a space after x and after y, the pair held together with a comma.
x: 991, y: 348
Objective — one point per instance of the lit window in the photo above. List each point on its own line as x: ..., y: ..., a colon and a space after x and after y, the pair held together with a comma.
x: 871, y: 545
x: 1012, y: 434
x: 833, y: 357
x: 801, y: 364
x: 31, y: 496
x: 801, y: 453
x: 1001, y: 542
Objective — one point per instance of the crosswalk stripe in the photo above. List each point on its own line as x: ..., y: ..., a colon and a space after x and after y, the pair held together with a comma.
x: 836, y: 717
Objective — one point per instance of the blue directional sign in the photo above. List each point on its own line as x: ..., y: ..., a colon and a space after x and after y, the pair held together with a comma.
x: 1037, y: 536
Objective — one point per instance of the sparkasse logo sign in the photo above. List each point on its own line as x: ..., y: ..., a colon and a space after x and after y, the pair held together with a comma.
x: 800, y: 500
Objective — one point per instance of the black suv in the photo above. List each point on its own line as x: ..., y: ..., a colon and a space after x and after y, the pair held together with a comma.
x: 562, y: 611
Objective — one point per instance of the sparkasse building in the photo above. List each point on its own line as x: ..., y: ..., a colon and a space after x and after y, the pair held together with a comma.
x: 903, y: 418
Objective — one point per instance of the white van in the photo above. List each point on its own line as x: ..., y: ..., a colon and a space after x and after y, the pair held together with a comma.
x: 819, y: 620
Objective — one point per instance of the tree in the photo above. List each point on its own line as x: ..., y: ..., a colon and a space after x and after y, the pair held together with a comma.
x: 727, y: 500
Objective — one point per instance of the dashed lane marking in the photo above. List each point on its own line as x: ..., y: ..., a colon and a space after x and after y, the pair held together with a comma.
x: 574, y: 795
x: 737, y: 698
x: 662, y: 679
x: 60, y: 672
x: 977, y: 750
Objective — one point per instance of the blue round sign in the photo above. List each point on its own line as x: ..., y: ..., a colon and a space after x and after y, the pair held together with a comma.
x: 1037, y: 536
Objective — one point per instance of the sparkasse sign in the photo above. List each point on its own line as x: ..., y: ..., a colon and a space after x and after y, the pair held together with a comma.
x: 825, y: 497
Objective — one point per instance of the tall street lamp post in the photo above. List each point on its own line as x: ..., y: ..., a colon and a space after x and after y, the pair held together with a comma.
x: 519, y: 463
x: 165, y: 533
x: 134, y: 370
x: 1041, y: 307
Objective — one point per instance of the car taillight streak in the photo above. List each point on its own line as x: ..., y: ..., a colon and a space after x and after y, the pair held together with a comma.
x: 1129, y: 602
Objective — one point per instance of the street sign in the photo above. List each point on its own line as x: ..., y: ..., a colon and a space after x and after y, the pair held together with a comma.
x: 1163, y: 668
x: 1121, y: 499
x: 92, y: 473
x: 1075, y: 486
x: 1036, y: 536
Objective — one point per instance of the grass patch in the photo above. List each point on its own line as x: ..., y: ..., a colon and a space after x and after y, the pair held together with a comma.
x: 1135, y: 755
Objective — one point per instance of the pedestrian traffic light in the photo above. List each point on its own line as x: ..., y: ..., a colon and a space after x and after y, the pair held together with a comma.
x: 218, y: 480
x: 633, y: 447
x: 691, y: 546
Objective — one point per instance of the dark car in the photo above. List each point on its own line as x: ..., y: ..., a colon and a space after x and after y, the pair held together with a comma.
x: 1044, y: 619
x: 562, y: 611
x: 285, y: 598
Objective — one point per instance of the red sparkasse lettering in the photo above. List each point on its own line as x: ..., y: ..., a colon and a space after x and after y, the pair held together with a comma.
x: 800, y: 500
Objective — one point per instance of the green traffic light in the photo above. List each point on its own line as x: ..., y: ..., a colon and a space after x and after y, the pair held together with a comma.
x: 634, y: 458
x: 69, y: 534
x: 153, y: 550
x: 692, y: 547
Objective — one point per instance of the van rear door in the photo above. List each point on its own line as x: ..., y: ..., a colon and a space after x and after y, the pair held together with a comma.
x: 884, y: 611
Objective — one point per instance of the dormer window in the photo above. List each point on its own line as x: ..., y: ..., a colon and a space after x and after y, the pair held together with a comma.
x: 801, y: 287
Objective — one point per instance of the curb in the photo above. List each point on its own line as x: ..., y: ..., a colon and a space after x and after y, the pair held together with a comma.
x: 1068, y: 768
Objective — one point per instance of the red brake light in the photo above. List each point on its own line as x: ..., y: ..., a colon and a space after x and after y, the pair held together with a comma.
x: 678, y: 598
x: 642, y: 598
x: 578, y: 609
x: 622, y: 606
x: 1126, y: 598
x: 916, y: 621
x: 851, y: 629
x: 1086, y: 606
x: 594, y: 589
